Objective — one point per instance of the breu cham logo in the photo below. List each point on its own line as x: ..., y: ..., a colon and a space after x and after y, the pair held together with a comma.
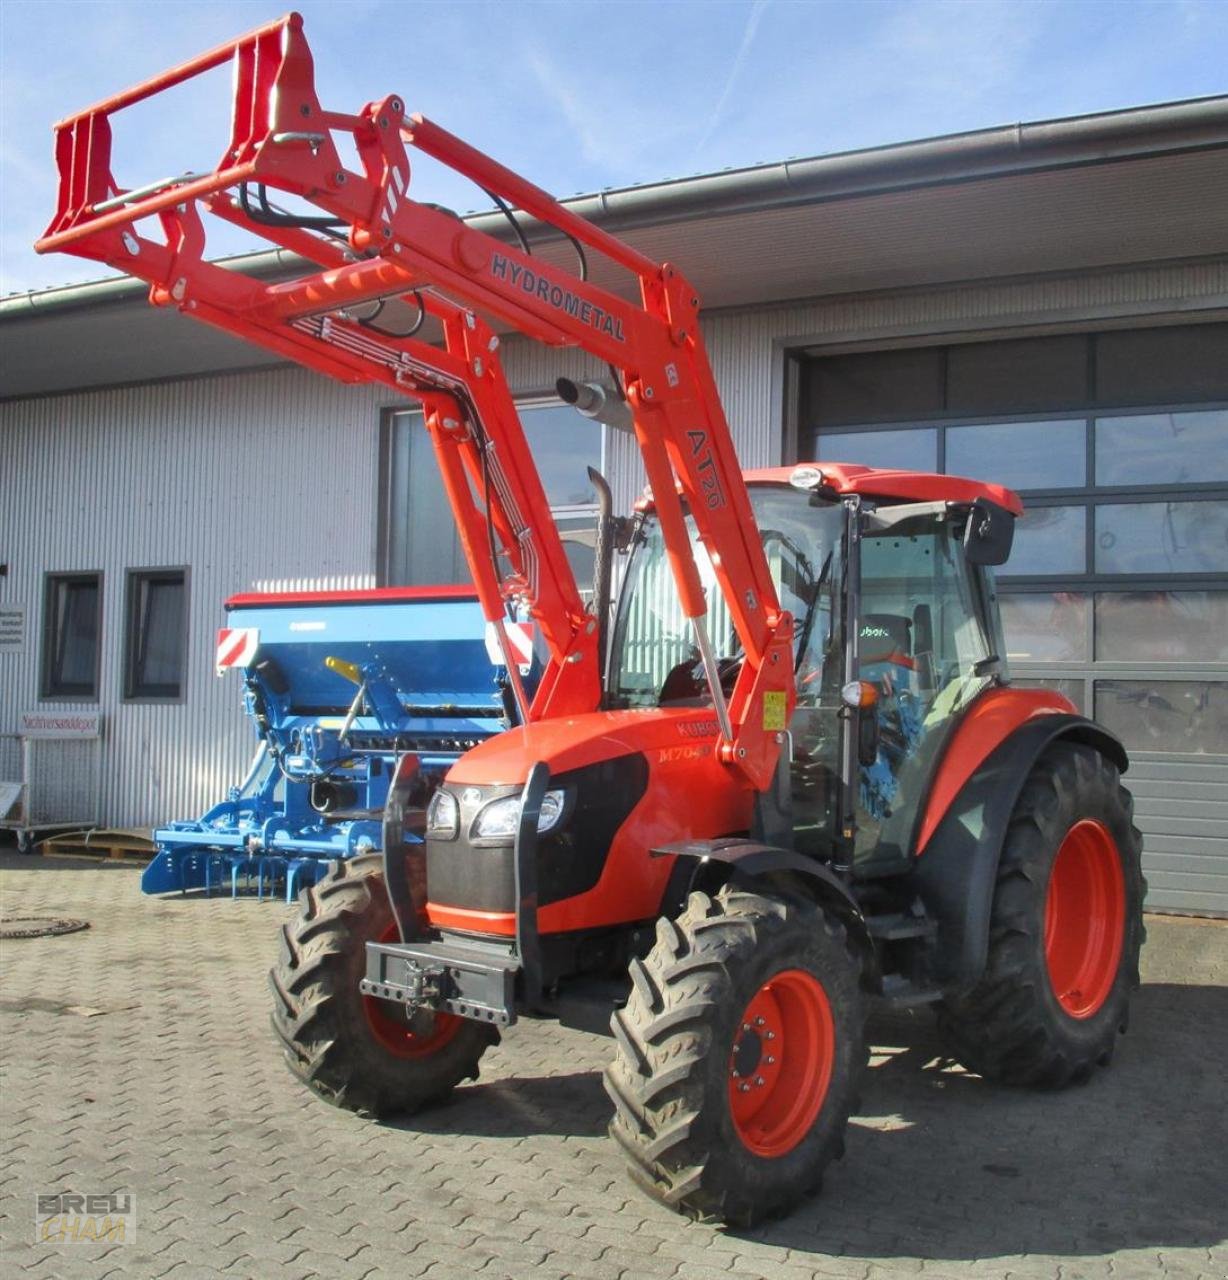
x: 69, y: 1218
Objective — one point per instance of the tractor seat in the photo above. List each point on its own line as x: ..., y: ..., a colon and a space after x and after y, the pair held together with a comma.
x: 886, y: 638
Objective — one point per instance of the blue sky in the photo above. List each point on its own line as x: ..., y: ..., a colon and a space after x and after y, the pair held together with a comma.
x: 583, y: 95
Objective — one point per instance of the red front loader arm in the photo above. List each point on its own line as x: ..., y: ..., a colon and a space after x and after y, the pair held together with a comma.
x: 395, y: 246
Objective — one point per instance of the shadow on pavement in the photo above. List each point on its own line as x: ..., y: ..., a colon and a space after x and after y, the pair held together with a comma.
x: 942, y: 1164
x: 519, y: 1107
x: 11, y: 860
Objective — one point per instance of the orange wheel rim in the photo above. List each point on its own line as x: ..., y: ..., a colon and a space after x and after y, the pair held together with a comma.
x: 784, y: 1050
x: 1085, y: 917
x: 389, y: 1026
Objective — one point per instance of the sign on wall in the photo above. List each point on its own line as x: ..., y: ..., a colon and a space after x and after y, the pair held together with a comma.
x: 12, y: 628
x: 60, y: 724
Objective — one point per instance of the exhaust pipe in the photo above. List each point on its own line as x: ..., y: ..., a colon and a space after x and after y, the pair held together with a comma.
x: 594, y: 401
x: 603, y: 561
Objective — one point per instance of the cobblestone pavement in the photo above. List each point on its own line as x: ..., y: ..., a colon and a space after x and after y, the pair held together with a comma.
x: 137, y: 1058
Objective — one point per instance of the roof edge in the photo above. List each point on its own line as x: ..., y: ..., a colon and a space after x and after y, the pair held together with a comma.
x: 1195, y: 124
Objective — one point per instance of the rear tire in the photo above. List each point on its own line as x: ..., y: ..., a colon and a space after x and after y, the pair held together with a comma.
x: 764, y: 987
x: 352, y: 1050
x: 1065, y: 930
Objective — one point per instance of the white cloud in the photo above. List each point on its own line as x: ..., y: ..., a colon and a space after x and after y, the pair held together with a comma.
x: 757, y: 10
x: 618, y: 128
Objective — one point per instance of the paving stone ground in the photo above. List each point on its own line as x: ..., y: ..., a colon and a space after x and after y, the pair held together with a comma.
x: 136, y: 1057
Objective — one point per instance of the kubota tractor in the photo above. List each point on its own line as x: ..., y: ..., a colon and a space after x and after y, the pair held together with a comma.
x: 783, y: 774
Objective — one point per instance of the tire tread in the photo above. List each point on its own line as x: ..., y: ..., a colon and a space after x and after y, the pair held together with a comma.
x: 1008, y: 1027
x: 664, y: 1044
x: 316, y: 1013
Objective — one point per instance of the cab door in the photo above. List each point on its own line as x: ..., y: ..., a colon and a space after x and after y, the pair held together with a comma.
x: 925, y: 646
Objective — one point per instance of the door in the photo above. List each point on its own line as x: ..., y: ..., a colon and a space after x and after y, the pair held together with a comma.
x: 924, y: 645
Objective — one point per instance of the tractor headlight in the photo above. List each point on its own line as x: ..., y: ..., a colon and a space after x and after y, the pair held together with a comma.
x: 500, y: 818
x: 443, y: 816
x: 551, y: 811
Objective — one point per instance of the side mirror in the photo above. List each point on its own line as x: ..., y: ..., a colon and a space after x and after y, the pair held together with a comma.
x: 989, y: 533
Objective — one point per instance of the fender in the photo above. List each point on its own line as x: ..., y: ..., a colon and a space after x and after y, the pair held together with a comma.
x: 956, y: 875
x: 751, y: 860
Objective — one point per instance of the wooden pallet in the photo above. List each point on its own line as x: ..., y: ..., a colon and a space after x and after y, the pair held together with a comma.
x: 116, y: 844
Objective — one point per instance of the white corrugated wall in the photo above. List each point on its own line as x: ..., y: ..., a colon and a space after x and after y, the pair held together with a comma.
x: 256, y: 481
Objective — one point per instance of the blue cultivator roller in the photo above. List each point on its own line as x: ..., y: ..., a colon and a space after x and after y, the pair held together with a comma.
x: 338, y: 686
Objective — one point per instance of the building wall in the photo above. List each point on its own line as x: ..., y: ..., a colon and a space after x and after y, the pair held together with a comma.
x: 258, y: 481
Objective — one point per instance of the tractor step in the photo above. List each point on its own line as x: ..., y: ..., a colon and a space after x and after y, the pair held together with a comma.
x: 902, y: 993
x: 894, y: 927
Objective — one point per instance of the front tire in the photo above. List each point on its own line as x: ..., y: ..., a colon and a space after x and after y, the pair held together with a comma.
x: 1065, y: 930
x: 738, y: 1056
x: 353, y: 1050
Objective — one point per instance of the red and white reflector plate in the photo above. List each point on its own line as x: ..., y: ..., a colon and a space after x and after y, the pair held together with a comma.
x: 521, y: 637
x: 236, y: 647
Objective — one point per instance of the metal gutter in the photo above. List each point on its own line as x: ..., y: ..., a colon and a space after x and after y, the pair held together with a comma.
x: 96, y: 293
x: 1113, y: 136
x: 1139, y: 133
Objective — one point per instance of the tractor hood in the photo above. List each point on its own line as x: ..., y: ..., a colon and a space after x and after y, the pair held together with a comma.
x: 663, y: 734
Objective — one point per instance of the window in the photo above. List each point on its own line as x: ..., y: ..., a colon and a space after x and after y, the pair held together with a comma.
x: 1184, y: 364
x: 1162, y: 626
x: 1045, y: 627
x: 1022, y: 455
x: 876, y: 386
x: 155, y: 642
x: 1162, y: 448
x: 654, y: 658
x: 1162, y: 538
x: 922, y: 643
x: 71, y: 616
x: 1162, y: 366
x: 1049, y: 541
x: 915, y: 450
x: 420, y: 546
x: 1184, y: 716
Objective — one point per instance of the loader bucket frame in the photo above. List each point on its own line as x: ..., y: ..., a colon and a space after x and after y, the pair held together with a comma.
x: 373, y: 241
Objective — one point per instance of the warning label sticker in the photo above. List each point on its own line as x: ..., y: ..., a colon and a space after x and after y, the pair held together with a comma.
x: 775, y: 707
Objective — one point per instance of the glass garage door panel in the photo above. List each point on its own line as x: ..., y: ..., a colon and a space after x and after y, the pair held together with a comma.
x: 1075, y: 690
x: 1049, y: 541
x: 1163, y: 448
x: 1045, y: 627
x: 1162, y: 537
x: 1185, y: 717
x: 1021, y: 455
x: 1162, y: 626
x: 912, y: 449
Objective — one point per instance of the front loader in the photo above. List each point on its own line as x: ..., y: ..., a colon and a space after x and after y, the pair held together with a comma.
x: 782, y: 773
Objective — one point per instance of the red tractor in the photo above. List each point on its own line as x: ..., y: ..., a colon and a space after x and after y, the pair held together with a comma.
x: 784, y: 772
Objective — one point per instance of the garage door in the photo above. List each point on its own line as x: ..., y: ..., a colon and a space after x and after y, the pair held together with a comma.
x: 1117, y: 591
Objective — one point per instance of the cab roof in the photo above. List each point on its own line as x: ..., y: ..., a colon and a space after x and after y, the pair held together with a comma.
x: 898, y: 486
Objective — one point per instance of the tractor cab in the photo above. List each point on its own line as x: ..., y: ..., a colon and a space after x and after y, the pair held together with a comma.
x: 895, y: 633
